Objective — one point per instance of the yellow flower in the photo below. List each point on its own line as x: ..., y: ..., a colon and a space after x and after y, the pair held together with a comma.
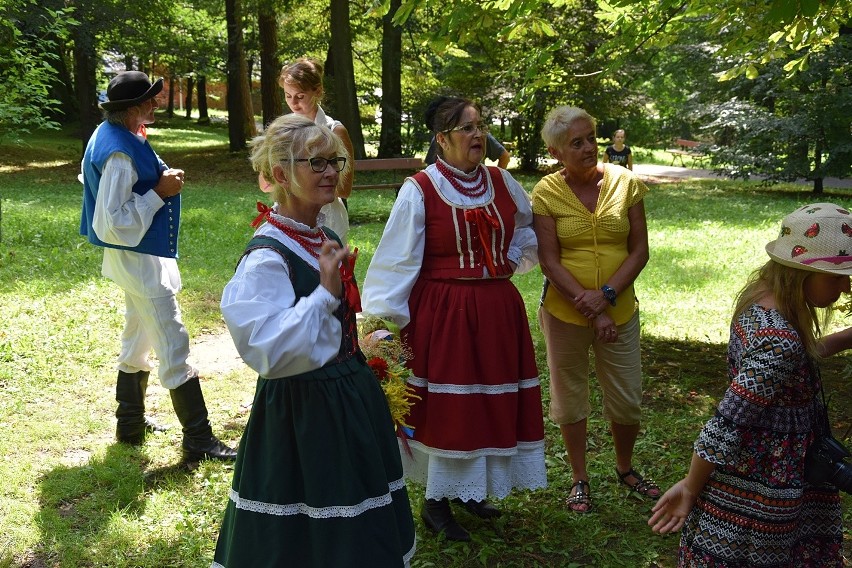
x: 387, y: 356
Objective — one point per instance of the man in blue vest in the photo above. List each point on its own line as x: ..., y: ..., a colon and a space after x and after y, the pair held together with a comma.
x: 131, y: 208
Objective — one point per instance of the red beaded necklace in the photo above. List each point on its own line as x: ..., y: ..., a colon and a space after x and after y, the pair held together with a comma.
x: 310, y: 240
x: 478, y: 187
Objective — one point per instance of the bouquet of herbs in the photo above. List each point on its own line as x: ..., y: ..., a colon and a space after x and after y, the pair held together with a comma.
x: 386, y: 356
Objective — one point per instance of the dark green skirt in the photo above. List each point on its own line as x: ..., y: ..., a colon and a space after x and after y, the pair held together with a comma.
x: 318, y: 477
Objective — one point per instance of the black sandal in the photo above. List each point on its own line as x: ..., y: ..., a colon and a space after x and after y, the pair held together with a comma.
x: 581, y: 497
x: 643, y: 486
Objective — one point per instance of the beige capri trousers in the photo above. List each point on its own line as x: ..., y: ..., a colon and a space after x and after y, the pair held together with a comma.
x: 618, y: 367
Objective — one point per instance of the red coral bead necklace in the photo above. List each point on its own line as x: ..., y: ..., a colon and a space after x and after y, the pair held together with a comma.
x: 310, y: 240
x: 477, y: 185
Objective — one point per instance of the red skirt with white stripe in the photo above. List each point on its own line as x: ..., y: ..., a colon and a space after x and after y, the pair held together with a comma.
x: 474, y: 368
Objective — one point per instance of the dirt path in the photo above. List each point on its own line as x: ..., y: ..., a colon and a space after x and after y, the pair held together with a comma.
x: 214, y: 353
x: 654, y: 173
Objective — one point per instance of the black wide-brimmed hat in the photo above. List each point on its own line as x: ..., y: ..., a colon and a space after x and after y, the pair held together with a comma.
x: 130, y: 88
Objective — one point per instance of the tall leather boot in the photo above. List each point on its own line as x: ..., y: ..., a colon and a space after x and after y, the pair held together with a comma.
x: 198, y: 440
x: 150, y: 425
x: 130, y: 414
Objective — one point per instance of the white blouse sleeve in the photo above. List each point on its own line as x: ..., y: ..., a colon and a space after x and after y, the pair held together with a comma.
x: 523, y: 250
x: 273, y: 333
x: 122, y: 217
x: 396, y: 264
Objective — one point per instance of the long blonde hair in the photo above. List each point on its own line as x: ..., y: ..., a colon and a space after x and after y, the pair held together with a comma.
x: 787, y: 286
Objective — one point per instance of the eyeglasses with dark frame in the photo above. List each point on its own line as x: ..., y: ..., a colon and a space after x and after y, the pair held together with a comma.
x: 318, y: 163
x: 469, y: 128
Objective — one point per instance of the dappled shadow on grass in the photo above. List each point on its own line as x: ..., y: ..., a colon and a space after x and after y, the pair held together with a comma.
x: 53, y: 154
x: 61, y: 164
x: 212, y: 165
x: 684, y: 374
x: 684, y: 381
x: 87, y: 512
x: 678, y: 371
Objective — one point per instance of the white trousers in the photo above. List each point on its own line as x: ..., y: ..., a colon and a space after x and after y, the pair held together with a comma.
x: 155, y: 323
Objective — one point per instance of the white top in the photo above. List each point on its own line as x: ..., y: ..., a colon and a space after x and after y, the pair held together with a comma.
x: 274, y: 334
x: 399, y: 256
x: 325, y: 120
x: 122, y: 217
x: 336, y: 217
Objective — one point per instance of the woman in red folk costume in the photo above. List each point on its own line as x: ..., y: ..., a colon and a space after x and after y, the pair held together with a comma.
x: 318, y: 479
x: 457, y: 232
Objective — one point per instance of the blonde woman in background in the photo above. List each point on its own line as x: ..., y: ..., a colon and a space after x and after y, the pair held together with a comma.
x: 618, y: 152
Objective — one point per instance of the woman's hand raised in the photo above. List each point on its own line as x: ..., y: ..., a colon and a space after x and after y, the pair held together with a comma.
x: 331, y: 255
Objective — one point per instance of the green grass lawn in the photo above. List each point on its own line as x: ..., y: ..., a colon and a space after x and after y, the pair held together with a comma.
x: 71, y: 497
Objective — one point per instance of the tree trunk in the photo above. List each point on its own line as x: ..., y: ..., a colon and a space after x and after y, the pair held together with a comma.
x: 249, y: 127
x: 203, y: 116
x: 170, y: 110
x: 187, y: 101
x: 390, y: 137
x: 818, y: 164
x: 235, y: 105
x: 528, y: 133
x: 61, y: 87
x: 85, y: 80
x: 340, y: 53
x: 270, y: 93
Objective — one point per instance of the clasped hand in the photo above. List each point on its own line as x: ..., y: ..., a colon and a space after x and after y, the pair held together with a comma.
x: 590, y: 303
x: 170, y: 184
x: 605, y: 329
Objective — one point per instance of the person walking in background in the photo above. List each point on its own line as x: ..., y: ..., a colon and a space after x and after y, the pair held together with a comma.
x: 303, y: 92
x: 618, y: 152
x: 592, y: 235
x: 754, y: 495
x: 131, y: 208
x: 494, y: 150
x: 318, y: 480
x: 457, y: 233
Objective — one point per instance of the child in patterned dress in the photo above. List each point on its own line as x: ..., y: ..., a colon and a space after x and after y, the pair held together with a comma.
x: 746, y: 500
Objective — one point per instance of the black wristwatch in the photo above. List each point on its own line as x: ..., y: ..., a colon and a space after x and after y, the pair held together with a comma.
x: 609, y: 294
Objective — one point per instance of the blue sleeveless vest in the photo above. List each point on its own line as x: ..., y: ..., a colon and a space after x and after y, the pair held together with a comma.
x: 162, y: 236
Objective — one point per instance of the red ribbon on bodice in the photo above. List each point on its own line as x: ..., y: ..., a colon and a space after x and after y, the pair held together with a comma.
x: 347, y: 266
x: 347, y: 276
x: 484, y: 223
x: 263, y: 210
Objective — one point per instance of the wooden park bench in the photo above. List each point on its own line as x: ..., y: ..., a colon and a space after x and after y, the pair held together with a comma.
x: 409, y: 165
x: 688, y: 148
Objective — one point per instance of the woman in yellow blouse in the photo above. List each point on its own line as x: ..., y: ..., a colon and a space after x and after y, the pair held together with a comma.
x: 593, y: 242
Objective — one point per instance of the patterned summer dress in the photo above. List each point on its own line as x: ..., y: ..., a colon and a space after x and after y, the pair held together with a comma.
x: 757, y: 510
